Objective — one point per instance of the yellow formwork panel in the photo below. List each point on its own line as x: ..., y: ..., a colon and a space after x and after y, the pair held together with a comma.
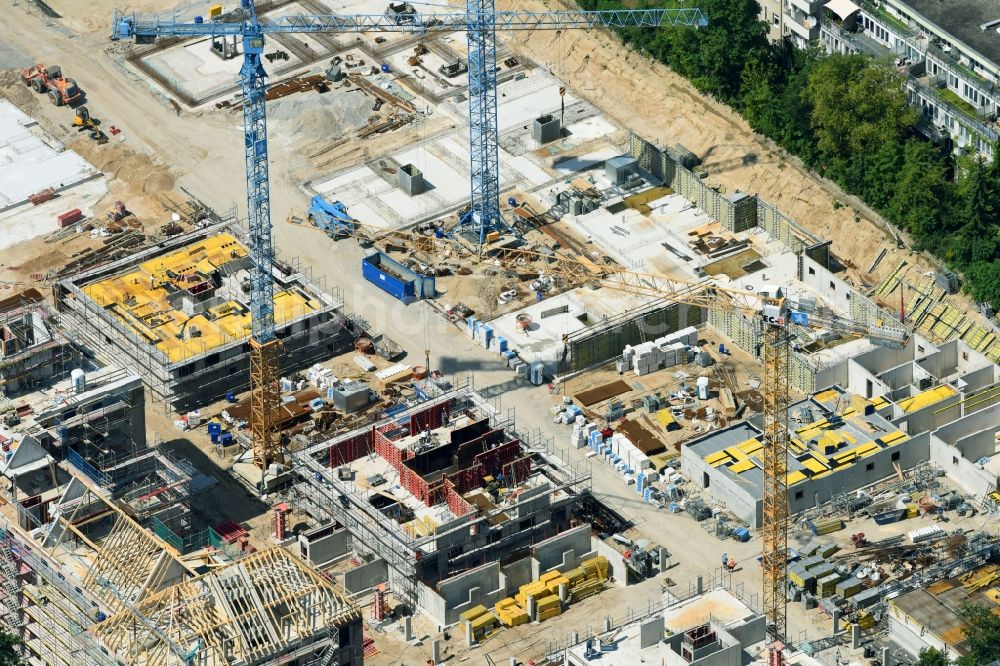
x: 751, y: 446
x: 139, y: 299
x: 827, y: 396
x: 813, y: 465
x: 928, y: 397
x: 717, y: 458
x: 794, y: 477
x: 742, y: 466
x: 735, y: 453
x: 893, y: 438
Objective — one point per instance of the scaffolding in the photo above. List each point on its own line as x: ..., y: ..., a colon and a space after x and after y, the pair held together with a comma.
x: 265, y: 605
x: 202, y: 373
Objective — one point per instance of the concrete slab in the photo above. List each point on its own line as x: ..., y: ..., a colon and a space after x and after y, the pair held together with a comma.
x: 31, y: 160
x: 543, y: 342
x: 192, y: 69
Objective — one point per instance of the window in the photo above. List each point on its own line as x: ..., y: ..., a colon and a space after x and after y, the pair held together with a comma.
x: 869, y: 467
x: 799, y: 494
x: 833, y: 286
x: 895, y: 456
x: 954, y: 460
x: 812, y: 271
x: 777, y: 19
x: 705, y: 480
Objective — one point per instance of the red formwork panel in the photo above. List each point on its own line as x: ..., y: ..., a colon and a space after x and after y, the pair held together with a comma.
x: 518, y: 470
x: 433, y: 417
x: 388, y: 451
x: 456, y: 503
x: 351, y: 449
x: 493, y: 461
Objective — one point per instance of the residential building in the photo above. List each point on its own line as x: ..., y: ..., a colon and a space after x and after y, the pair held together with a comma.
x: 949, y: 52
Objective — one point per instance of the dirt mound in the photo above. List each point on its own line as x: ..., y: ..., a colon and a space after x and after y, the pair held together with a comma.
x: 142, y: 173
x: 12, y: 88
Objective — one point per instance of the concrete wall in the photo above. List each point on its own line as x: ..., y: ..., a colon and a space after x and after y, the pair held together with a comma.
x: 743, y: 501
x: 735, y: 498
x: 957, y: 446
x: 616, y: 563
x: 323, y: 549
x: 913, y: 637
x: 960, y: 469
x: 727, y: 655
x: 482, y: 586
x: 931, y: 417
x: 562, y: 551
x: 366, y: 576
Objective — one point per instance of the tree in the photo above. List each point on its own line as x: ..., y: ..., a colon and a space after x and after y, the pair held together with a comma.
x: 932, y: 657
x: 10, y: 650
x: 977, y: 240
x: 982, y: 633
x: 922, y: 196
x: 859, y: 104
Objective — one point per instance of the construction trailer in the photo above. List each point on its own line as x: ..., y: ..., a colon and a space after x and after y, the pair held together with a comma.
x: 179, y: 313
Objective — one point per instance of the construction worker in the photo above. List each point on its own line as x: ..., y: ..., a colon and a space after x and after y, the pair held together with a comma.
x: 731, y: 564
x: 725, y: 559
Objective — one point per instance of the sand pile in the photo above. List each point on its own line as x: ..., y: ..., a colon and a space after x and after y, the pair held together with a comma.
x: 143, y: 174
x: 307, y: 117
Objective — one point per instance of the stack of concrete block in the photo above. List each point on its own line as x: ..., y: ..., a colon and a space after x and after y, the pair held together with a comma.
x: 582, y: 431
x: 663, y: 352
x: 646, y: 358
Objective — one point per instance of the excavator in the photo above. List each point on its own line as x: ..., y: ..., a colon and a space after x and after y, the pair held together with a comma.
x: 85, y: 122
x: 60, y: 89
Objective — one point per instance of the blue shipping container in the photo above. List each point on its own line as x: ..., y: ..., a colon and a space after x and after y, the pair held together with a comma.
x: 396, y: 279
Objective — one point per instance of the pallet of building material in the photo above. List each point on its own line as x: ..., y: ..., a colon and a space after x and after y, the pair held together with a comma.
x: 509, y: 613
x: 596, y: 567
x: 823, y: 526
x: 547, y: 603
x: 473, y: 613
x: 534, y: 590
x: 552, y: 612
x: 553, y: 583
x: 586, y: 589
x: 482, y: 624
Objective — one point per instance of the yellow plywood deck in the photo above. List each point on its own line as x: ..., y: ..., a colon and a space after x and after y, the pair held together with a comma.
x: 139, y: 300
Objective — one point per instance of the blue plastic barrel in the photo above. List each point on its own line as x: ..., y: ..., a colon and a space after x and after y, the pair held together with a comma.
x: 199, y: 19
x: 385, y: 68
x: 511, y: 201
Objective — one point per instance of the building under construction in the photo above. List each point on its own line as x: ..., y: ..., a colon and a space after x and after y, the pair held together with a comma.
x: 98, y: 547
x: 32, y: 348
x: 179, y: 313
x: 438, y: 501
x: 883, y: 412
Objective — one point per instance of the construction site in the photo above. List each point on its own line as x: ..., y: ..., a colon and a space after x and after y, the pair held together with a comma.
x: 463, y: 358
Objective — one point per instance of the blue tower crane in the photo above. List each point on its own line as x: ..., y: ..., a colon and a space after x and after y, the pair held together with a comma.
x: 479, y: 21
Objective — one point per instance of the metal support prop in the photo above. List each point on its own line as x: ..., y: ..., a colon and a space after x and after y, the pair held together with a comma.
x: 775, y: 468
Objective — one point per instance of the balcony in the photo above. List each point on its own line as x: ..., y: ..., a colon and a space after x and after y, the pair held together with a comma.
x: 808, y: 29
x: 807, y: 7
x: 856, y: 42
x: 974, y: 120
x: 950, y: 62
